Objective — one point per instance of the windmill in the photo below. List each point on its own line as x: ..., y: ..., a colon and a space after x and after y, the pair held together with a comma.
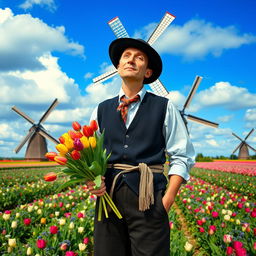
x: 243, y: 146
x: 36, y: 136
x: 157, y: 86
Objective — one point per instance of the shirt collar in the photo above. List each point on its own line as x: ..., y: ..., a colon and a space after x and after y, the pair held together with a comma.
x: 141, y: 93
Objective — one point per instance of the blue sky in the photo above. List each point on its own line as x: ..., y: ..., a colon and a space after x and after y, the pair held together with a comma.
x: 52, y: 49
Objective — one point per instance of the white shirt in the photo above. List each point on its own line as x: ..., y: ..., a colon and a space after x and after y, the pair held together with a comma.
x: 178, y: 145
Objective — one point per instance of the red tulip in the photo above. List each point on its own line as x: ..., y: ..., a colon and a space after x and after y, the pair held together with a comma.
x: 87, y: 131
x: 76, y: 126
x: 27, y: 222
x: 51, y: 155
x: 78, y: 135
x: 199, y: 222
x: 41, y: 243
x: 80, y: 215
x: 60, y: 160
x: 94, y: 125
x: 75, y: 154
x: 229, y: 250
x: 72, y: 134
x: 51, y: 176
x: 53, y: 229
x: 201, y: 229
x: 61, y: 140
x: 253, y: 214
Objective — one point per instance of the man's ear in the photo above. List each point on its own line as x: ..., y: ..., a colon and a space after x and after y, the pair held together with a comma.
x: 148, y: 73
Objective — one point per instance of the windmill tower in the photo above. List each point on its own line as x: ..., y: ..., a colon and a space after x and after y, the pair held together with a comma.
x: 37, y: 135
x: 157, y: 86
x: 243, y: 146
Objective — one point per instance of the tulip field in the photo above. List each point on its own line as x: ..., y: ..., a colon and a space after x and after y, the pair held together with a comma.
x: 214, y: 213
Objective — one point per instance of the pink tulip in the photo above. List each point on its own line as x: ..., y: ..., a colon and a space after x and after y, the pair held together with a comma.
x: 215, y: 214
x: 227, y: 239
x: 86, y: 240
x: 53, y: 229
x: 7, y: 212
x: 64, y: 247
x: 27, y: 222
x: 41, y: 243
x: 171, y: 224
x: 240, y: 205
x: 70, y: 253
x: 237, y: 245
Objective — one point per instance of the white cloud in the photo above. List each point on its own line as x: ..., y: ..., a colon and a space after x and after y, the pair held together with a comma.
x: 212, y: 142
x: 250, y: 118
x: 25, y: 39
x: 197, y: 39
x: 88, y: 75
x: 224, y: 94
x: 225, y: 119
x: 28, y: 4
x: 177, y: 99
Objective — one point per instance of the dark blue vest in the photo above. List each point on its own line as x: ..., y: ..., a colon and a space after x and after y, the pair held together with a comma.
x: 142, y: 142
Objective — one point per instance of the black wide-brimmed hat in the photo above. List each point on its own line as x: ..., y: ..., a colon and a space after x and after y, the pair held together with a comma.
x: 118, y: 46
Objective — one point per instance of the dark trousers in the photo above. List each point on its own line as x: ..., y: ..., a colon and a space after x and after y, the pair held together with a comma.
x: 138, y: 233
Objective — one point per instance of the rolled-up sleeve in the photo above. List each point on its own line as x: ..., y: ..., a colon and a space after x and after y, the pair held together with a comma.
x: 179, y: 147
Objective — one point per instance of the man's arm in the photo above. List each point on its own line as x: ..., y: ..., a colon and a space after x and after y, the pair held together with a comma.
x: 181, y: 152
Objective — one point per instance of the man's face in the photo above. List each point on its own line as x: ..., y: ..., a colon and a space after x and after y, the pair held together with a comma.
x: 133, y: 65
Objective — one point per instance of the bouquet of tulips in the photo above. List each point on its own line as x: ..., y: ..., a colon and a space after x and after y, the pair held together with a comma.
x: 81, y: 151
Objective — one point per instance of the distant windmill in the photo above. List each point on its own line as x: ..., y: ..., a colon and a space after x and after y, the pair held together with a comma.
x: 157, y: 86
x: 36, y: 136
x: 243, y: 146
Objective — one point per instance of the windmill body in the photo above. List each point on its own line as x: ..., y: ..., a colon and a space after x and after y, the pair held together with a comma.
x: 243, y: 147
x: 157, y: 87
x: 37, y: 135
x: 243, y: 152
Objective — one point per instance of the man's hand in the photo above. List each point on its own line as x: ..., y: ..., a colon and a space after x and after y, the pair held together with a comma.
x: 168, y: 202
x: 97, y: 192
x: 175, y: 182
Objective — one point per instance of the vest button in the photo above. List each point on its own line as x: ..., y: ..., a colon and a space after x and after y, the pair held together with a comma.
x: 127, y: 136
x: 124, y: 156
x: 125, y: 146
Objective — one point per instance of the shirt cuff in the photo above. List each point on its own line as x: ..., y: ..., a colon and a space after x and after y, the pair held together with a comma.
x: 179, y: 170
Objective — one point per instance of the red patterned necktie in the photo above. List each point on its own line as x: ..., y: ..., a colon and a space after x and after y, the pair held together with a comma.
x: 123, y: 107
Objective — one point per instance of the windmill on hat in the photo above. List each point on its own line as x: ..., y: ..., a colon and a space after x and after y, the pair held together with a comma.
x: 157, y: 86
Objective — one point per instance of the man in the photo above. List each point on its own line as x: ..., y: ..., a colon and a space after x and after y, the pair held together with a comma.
x: 140, y: 129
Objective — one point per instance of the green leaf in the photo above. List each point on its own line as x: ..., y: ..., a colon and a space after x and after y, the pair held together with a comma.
x: 68, y: 171
x: 69, y: 183
x: 97, y: 182
x: 96, y: 168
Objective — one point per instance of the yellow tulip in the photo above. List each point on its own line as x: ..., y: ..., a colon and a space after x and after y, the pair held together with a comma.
x: 62, y: 148
x: 12, y: 242
x: 85, y: 142
x: 92, y: 141
x: 29, y: 251
x: 69, y: 143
